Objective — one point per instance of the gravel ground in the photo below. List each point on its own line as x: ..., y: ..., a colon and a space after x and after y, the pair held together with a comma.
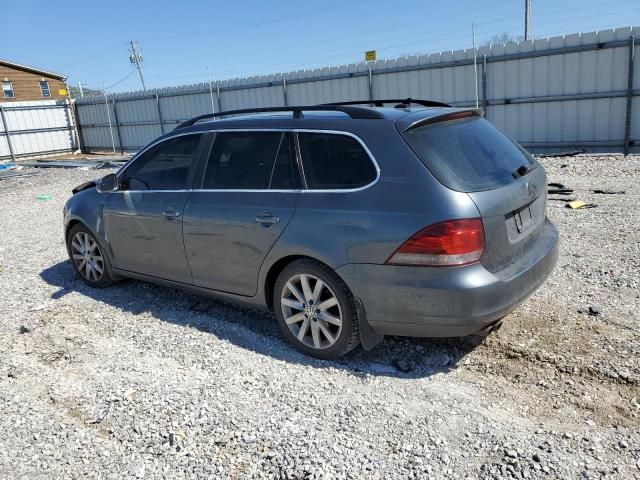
x: 141, y: 381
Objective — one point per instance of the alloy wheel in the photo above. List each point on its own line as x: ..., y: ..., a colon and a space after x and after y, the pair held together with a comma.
x: 87, y: 256
x: 311, y: 311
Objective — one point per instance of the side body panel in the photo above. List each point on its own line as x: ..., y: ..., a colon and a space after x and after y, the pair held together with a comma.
x: 227, y: 235
x: 144, y: 230
x: 367, y: 225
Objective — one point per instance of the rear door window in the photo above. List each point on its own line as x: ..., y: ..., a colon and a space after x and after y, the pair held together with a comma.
x: 164, y: 166
x: 251, y: 161
x: 333, y: 161
x: 468, y: 155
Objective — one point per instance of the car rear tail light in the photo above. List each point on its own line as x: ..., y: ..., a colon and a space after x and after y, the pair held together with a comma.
x: 448, y: 243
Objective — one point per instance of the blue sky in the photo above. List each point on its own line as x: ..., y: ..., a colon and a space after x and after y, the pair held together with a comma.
x: 88, y: 40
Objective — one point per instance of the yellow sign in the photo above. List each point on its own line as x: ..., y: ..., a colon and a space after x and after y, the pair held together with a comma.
x: 370, y: 56
x: 62, y: 92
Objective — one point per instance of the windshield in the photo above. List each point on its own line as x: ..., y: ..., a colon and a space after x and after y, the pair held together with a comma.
x: 468, y: 155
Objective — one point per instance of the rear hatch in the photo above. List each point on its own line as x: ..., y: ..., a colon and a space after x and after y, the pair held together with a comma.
x: 468, y: 154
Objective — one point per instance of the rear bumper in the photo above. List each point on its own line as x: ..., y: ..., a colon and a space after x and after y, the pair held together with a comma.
x: 448, y: 302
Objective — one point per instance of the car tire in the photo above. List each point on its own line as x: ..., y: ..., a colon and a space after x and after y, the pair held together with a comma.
x: 316, y: 310
x: 88, y: 258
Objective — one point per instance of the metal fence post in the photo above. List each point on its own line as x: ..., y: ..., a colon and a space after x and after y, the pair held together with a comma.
x: 219, y: 99
x: 76, y: 116
x: 370, y: 85
x: 627, y: 119
x: 72, y: 124
x: 115, y: 119
x: 106, y: 103
x: 284, y: 91
x: 6, y: 131
x: 73, y: 119
x: 213, y: 108
x: 484, y: 83
x: 160, y: 119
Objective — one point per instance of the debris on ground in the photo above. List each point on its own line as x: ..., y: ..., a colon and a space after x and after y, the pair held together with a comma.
x: 44, y: 196
x: 576, y: 204
x: 560, y: 191
x: 609, y: 192
x: 594, y: 310
x: 571, y: 153
x: 552, y: 395
x: 8, y: 174
x: 86, y: 164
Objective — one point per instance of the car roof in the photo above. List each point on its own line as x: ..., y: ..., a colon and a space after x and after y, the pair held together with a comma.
x: 324, y: 120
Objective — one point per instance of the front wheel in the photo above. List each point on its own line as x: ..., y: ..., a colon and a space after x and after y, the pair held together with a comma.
x: 316, y: 310
x: 87, y: 257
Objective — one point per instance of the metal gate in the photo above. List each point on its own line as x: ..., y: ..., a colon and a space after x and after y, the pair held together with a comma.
x: 30, y: 129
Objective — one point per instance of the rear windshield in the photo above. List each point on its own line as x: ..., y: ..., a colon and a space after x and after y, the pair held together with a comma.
x: 468, y: 155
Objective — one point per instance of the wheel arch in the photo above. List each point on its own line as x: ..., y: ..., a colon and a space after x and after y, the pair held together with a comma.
x: 72, y: 223
x: 106, y: 248
x: 278, y: 266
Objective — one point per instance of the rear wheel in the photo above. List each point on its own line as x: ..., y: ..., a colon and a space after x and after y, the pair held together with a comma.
x: 87, y: 257
x: 316, y: 310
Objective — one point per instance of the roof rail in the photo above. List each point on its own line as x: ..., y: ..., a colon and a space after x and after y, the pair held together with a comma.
x: 405, y: 101
x: 353, y: 112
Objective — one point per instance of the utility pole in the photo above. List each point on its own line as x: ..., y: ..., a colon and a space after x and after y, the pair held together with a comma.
x: 136, y: 59
x: 80, y: 88
x: 527, y: 19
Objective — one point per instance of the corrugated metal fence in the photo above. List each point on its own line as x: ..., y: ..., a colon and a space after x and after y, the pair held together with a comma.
x: 549, y: 94
x: 36, y: 128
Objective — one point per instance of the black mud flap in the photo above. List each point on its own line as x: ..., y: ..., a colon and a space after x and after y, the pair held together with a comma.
x: 368, y: 338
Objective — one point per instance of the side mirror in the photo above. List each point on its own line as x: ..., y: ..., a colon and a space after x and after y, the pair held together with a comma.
x: 108, y: 183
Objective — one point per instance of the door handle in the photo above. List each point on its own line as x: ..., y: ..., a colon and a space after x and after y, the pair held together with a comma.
x: 171, y: 213
x: 267, y: 218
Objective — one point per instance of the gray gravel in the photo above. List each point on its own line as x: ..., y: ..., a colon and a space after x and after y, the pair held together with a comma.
x: 140, y: 381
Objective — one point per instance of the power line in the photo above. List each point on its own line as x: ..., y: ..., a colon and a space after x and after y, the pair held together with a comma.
x: 418, y: 39
x: 117, y: 83
x: 94, y: 55
x: 185, y: 35
x: 274, y: 67
x: 304, y: 13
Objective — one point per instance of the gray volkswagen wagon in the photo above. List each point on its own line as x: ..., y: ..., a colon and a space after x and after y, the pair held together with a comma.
x: 350, y: 221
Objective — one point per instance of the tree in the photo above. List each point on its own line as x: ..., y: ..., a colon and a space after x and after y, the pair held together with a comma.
x: 502, y: 38
x: 74, y: 91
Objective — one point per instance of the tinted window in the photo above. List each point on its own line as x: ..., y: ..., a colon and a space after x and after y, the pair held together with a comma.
x: 468, y: 155
x: 285, y: 174
x: 251, y: 161
x: 164, y: 166
x: 335, y: 161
